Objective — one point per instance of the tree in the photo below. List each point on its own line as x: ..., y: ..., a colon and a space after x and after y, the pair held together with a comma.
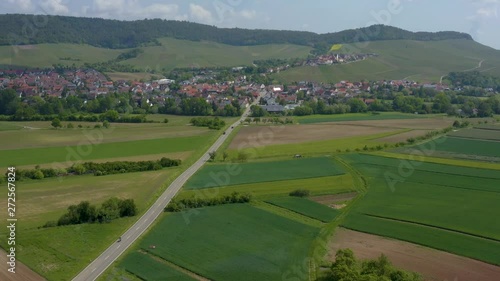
x: 242, y: 156
x: 357, y: 105
x: 70, y: 126
x: 128, y: 208
x: 56, y: 123
x: 105, y: 124
x: 212, y: 155
x: 165, y: 121
x: 225, y: 155
x: 110, y: 209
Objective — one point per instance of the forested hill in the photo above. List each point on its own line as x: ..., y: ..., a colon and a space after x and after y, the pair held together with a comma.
x: 29, y: 29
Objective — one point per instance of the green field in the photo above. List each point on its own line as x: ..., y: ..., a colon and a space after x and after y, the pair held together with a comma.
x: 480, y: 134
x: 315, y: 148
x: 357, y: 117
x: 232, y: 242
x: 219, y: 175
x: 306, y: 207
x: 460, y: 146
x: 436, y: 205
x: 87, y: 151
x: 181, y: 53
x: 148, y: 268
x: 263, y: 190
x: 173, y: 53
x: 424, y: 61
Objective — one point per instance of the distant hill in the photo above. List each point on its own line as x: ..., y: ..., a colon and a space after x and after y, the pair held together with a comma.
x: 20, y: 29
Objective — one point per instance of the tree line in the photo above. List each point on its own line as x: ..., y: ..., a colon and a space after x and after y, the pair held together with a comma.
x: 211, y: 123
x: 347, y: 268
x: 194, y: 202
x: 97, y: 169
x: 84, y: 212
x: 112, y: 107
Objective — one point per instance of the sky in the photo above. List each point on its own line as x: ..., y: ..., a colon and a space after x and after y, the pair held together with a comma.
x: 478, y: 18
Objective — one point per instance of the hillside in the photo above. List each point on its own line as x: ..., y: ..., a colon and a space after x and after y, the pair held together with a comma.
x: 398, y: 59
x: 129, y: 34
x: 170, y: 54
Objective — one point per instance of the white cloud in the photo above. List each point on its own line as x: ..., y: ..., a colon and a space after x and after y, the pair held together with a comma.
x: 487, y: 12
x: 24, y: 5
x: 247, y: 14
x: 201, y: 14
x: 108, y: 5
x: 54, y: 7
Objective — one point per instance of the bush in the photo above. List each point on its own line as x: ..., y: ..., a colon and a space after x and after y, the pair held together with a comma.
x: 70, y: 126
x: 193, y: 202
x: 300, y: 193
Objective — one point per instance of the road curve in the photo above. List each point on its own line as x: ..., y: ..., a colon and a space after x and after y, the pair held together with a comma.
x: 101, y: 263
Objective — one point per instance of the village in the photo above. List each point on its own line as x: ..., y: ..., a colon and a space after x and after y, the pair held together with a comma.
x: 90, y: 83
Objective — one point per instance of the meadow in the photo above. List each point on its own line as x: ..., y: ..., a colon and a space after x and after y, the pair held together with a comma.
x: 460, y: 146
x: 217, y: 175
x: 264, y: 190
x: 481, y: 134
x: 146, y: 267
x: 312, y: 119
x: 231, y: 242
x: 306, y: 207
x: 89, y: 151
x: 435, y: 205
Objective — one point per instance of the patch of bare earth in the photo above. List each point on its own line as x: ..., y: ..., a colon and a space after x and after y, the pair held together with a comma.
x: 258, y: 136
x: 432, y: 264
x: 334, y: 200
x: 416, y: 124
x: 404, y: 136
x: 23, y: 273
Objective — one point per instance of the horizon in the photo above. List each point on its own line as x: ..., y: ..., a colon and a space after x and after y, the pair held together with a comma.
x: 477, y: 18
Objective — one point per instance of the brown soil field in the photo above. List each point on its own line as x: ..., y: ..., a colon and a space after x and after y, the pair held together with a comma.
x: 23, y: 273
x: 258, y: 136
x: 333, y: 199
x: 416, y: 124
x: 432, y: 264
x: 404, y: 136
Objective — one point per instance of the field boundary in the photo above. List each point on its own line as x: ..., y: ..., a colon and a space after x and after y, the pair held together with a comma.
x: 432, y: 226
x: 173, y: 266
x: 287, y: 213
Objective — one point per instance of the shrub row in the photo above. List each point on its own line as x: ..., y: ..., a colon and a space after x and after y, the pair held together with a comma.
x: 191, y: 203
x: 84, y: 212
x: 211, y: 123
x: 98, y: 169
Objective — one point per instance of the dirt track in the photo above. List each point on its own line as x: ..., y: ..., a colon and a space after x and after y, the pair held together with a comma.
x: 23, y: 273
x: 432, y: 264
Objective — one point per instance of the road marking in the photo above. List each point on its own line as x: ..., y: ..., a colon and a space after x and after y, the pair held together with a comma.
x: 106, y: 258
x: 118, y: 247
x: 137, y: 228
x: 94, y: 270
x: 127, y: 237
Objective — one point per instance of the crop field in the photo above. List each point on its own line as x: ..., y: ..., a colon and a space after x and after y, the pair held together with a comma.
x: 41, y: 134
x: 260, y: 136
x: 232, y: 242
x: 55, y: 252
x: 218, y: 175
x: 148, y: 268
x: 263, y: 190
x: 480, y: 134
x: 88, y: 151
x: 311, y: 119
x: 317, y: 148
x: 306, y: 207
x: 441, y: 206
x: 460, y: 146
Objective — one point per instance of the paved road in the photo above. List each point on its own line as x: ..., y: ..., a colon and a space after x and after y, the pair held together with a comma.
x: 99, y: 265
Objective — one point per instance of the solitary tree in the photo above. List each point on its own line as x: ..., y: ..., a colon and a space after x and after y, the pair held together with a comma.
x: 225, y: 155
x: 56, y: 123
x: 212, y: 155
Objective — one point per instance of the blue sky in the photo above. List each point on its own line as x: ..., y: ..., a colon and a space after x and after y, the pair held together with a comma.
x: 477, y: 17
